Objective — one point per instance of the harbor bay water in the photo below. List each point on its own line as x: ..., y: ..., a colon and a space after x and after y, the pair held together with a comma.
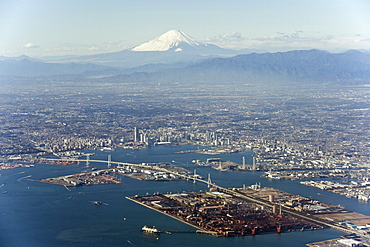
x: 39, y: 214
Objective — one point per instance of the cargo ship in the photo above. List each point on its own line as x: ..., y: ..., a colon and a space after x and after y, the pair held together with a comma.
x: 150, y: 229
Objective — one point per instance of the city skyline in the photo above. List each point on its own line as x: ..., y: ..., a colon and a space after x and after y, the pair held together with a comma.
x: 42, y: 28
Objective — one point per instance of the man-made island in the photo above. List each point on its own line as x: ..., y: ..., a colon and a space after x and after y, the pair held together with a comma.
x: 221, y: 214
x: 144, y: 171
x: 252, y: 210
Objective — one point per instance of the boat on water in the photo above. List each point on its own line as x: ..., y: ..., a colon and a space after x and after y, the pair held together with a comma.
x: 99, y: 203
x: 150, y: 229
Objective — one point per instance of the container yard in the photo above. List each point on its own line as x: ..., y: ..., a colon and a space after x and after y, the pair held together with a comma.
x: 221, y: 214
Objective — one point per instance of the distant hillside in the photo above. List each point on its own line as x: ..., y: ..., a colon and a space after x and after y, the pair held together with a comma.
x: 305, y: 65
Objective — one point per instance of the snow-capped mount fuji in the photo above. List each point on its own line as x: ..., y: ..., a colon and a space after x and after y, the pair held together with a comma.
x: 171, y: 48
x: 172, y: 40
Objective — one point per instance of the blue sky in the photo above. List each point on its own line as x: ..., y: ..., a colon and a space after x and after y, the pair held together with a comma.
x: 78, y: 27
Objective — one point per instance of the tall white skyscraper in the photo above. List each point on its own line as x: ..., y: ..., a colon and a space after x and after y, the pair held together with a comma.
x: 136, y: 135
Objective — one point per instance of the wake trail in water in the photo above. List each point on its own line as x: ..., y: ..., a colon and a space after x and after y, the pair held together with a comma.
x: 19, y: 173
x: 63, y: 199
x: 132, y: 155
x: 20, y: 179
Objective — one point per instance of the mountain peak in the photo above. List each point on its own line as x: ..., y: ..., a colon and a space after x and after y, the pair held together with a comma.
x: 173, y: 39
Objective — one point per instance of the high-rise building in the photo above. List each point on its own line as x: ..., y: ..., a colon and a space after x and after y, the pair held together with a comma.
x: 136, y: 135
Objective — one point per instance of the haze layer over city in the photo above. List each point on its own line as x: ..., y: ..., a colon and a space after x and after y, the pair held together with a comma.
x: 286, y: 84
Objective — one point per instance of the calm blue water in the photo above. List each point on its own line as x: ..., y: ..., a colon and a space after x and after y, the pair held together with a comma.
x: 38, y: 214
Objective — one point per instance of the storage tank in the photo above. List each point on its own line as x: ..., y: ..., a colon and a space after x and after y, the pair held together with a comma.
x: 275, y: 209
x: 271, y: 198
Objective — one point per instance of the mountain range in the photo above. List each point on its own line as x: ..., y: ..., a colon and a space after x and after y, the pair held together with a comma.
x: 177, y: 57
x: 312, y: 66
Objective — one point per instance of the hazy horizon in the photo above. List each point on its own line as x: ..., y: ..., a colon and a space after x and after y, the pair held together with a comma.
x: 42, y: 28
